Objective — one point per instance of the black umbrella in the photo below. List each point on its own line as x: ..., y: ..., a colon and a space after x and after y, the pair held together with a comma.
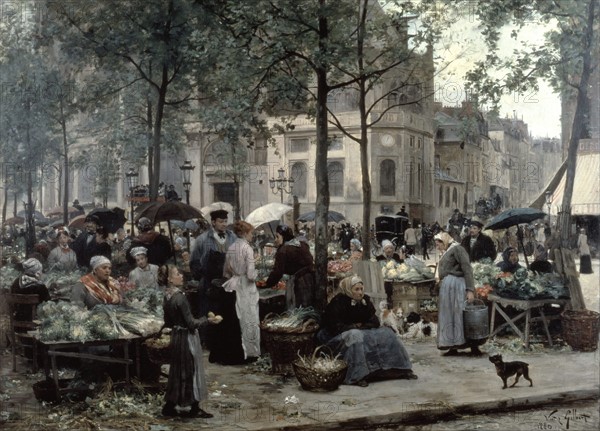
x: 167, y: 211
x: 111, y: 219
x: 515, y: 217
x: 332, y: 216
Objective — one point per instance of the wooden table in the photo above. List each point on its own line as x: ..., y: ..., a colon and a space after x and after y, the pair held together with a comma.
x: 499, y: 304
x: 52, y: 349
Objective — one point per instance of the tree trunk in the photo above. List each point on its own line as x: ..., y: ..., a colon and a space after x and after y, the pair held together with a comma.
x: 156, y: 139
x: 577, y: 302
x: 322, y: 202
x: 65, y: 196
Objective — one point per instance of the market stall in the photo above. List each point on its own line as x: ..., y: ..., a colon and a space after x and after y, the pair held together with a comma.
x: 412, y: 285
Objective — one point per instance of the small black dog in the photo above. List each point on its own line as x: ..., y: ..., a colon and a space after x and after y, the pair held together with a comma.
x: 507, y: 369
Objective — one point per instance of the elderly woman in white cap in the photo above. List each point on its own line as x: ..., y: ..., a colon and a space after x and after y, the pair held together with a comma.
x: 388, y: 255
x: 351, y: 328
x: 29, y: 283
x: 62, y: 257
x: 456, y: 286
x: 145, y: 275
x: 97, y: 287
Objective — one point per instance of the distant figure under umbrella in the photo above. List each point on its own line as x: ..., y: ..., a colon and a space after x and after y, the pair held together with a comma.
x: 158, y: 245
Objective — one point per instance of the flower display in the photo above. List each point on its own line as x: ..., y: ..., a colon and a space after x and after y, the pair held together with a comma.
x: 393, y: 270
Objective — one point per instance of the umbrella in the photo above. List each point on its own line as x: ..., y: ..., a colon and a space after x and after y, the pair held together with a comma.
x: 515, y: 216
x: 14, y: 220
x: 167, y: 211
x: 332, y: 216
x: 38, y: 216
x: 267, y: 213
x: 111, y: 219
x: 58, y: 211
x: 78, y: 222
x: 216, y: 206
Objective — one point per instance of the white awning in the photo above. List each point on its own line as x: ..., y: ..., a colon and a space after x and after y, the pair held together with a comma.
x: 586, y: 190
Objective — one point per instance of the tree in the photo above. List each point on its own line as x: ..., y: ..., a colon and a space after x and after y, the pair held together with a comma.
x: 566, y: 59
x: 156, y: 41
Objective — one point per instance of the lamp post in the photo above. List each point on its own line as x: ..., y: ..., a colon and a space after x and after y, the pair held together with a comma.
x: 278, y: 185
x: 132, y: 182
x: 186, y: 170
x: 549, y: 203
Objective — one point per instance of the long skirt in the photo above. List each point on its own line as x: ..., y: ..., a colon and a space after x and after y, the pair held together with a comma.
x: 451, y: 303
x: 369, y: 350
x: 225, y: 339
x: 585, y: 264
x: 187, y: 381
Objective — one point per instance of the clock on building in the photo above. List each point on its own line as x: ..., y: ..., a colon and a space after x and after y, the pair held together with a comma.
x: 387, y: 140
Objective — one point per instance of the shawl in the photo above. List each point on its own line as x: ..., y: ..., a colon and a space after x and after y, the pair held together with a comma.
x: 107, y: 293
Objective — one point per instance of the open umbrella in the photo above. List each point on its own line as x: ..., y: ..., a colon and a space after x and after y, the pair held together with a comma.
x: 167, y: 211
x: 14, y: 220
x: 111, y: 219
x: 58, y: 212
x: 216, y: 206
x: 515, y: 217
x: 267, y: 213
x: 332, y: 216
x: 36, y: 215
x: 78, y: 222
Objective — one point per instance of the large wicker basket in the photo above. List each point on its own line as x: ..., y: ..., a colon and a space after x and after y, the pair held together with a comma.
x: 158, y: 354
x: 580, y: 329
x: 316, y: 380
x: 284, y: 346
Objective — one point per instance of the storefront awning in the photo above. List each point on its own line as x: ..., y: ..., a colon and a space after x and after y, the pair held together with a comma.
x: 586, y: 190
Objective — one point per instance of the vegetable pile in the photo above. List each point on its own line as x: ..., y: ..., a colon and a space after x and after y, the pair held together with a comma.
x: 411, y: 270
x: 295, y: 320
x: 339, y: 268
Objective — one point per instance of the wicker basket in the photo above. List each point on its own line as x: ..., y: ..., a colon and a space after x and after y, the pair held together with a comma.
x: 580, y: 329
x: 315, y: 380
x: 284, y: 346
x: 158, y: 355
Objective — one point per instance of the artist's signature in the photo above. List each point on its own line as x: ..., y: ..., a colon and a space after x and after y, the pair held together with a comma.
x: 558, y: 419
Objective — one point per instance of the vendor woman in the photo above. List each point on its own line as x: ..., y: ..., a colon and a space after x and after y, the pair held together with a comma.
x: 387, y: 256
x: 97, y: 287
x: 293, y: 257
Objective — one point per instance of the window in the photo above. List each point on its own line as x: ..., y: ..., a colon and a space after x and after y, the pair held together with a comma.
x: 437, y: 161
x: 387, y: 182
x: 420, y: 142
x: 335, y: 174
x: 299, y: 175
x: 411, y: 177
x: 447, y: 197
x: 419, y: 179
x: 298, y: 145
x: 441, y: 197
x: 454, y: 197
x: 224, y: 192
x: 412, y: 141
x: 392, y: 99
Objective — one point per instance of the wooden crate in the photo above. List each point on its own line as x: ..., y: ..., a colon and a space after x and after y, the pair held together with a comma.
x: 410, y: 296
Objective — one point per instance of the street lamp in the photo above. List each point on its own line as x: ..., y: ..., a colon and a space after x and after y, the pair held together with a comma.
x: 186, y: 170
x: 278, y: 185
x: 548, y: 202
x: 132, y: 182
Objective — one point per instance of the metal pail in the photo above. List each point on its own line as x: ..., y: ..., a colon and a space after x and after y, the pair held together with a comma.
x: 475, y: 321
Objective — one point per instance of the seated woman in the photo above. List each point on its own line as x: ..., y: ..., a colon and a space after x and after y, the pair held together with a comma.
x: 540, y: 263
x: 351, y: 328
x: 29, y: 283
x: 97, y: 287
x: 510, y: 260
x: 356, y: 251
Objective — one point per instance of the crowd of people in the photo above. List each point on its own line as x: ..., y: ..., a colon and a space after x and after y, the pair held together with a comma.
x: 220, y: 265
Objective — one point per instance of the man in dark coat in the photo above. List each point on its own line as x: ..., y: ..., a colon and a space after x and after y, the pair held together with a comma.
x: 85, y: 244
x: 158, y: 246
x: 346, y: 235
x: 478, y: 245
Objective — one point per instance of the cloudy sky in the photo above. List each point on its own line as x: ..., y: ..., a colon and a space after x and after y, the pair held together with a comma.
x: 463, y: 45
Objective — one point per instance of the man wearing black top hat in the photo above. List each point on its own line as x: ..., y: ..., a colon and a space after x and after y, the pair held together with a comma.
x: 85, y: 243
x: 478, y: 245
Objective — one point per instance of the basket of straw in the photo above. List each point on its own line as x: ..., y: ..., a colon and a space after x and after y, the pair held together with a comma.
x: 159, y: 349
x: 287, y: 335
x: 320, y: 373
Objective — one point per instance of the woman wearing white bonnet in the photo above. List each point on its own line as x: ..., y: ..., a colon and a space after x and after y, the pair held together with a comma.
x: 388, y: 255
x: 29, y: 283
x: 144, y: 275
x: 97, y: 287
